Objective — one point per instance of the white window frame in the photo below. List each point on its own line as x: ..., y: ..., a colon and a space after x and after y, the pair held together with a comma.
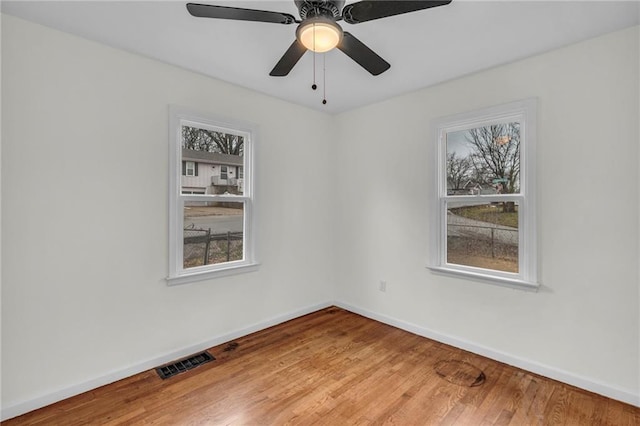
x: 188, y: 169
x: 178, y: 117
x: 524, y: 112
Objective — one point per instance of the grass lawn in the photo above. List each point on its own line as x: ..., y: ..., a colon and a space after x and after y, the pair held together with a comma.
x: 485, y: 262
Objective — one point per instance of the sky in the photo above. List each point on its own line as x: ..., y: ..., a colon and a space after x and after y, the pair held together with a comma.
x: 456, y: 142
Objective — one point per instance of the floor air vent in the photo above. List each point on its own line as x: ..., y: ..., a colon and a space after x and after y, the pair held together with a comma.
x: 183, y: 365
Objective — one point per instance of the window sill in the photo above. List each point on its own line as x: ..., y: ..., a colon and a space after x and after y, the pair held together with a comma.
x: 212, y: 274
x: 487, y: 278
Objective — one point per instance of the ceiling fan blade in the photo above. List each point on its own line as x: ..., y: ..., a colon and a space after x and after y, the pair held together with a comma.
x: 224, y: 12
x: 368, y: 10
x: 364, y: 56
x: 289, y: 59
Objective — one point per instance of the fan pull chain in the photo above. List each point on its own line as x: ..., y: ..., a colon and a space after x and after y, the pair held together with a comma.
x: 314, y: 86
x: 324, y: 79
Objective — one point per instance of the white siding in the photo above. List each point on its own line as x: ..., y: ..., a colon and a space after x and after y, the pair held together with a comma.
x: 203, y: 180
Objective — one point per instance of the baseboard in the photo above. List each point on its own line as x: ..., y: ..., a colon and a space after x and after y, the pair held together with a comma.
x: 553, y: 373
x: 59, y: 395
x: 623, y: 395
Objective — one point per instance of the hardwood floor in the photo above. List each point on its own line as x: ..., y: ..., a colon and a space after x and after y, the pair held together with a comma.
x: 334, y: 367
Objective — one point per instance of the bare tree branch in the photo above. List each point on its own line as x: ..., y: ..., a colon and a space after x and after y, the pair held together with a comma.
x: 496, y: 154
x: 211, y: 141
x: 458, y: 170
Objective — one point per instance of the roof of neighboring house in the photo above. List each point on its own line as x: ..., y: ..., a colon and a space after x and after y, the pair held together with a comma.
x: 212, y: 157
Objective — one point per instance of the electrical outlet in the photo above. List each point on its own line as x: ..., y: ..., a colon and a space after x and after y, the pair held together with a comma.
x: 383, y: 286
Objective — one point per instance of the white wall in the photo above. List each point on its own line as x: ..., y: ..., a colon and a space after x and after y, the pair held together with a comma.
x: 0, y: 220
x: 85, y: 212
x: 84, y: 264
x: 584, y: 322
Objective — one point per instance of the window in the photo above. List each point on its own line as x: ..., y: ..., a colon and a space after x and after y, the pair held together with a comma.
x: 189, y: 168
x: 186, y: 191
x: 211, y: 229
x: 483, y: 219
x: 223, y: 172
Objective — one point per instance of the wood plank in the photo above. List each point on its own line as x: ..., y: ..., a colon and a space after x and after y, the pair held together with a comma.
x: 334, y: 367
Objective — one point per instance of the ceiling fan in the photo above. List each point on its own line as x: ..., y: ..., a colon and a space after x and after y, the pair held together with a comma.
x: 318, y: 29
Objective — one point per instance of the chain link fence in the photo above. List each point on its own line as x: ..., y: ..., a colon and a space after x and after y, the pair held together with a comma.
x: 487, y: 246
x: 484, y: 241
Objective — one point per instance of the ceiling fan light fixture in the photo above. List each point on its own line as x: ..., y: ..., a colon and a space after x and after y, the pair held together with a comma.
x: 318, y: 30
x: 319, y: 34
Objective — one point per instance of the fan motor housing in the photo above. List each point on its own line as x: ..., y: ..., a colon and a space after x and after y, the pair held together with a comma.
x: 317, y: 8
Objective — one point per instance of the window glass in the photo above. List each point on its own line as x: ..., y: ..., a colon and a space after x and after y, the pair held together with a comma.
x: 213, y: 233
x: 484, y: 160
x: 483, y: 235
x: 213, y: 230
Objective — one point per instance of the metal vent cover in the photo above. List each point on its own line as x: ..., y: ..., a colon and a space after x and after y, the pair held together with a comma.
x: 185, y: 364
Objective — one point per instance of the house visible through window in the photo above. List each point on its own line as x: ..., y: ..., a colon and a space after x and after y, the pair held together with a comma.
x: 484, y: 224
x: 211, y: 215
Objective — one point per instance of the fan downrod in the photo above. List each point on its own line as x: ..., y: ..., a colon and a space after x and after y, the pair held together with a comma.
x: 325, y: 8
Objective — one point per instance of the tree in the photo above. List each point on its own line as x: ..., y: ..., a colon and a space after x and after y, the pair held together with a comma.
x: 192, y: 139
x: 458, y: 170
x: 212, y: 141
x: 496, y: 155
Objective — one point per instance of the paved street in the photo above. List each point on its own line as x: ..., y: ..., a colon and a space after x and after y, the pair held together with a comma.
x: 218, y: 224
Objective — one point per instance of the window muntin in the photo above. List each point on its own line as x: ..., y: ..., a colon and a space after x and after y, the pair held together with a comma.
x: 210, y: 218
x: 485, y: 216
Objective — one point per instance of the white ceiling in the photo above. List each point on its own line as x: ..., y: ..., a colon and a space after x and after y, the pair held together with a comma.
x: 423, y: 48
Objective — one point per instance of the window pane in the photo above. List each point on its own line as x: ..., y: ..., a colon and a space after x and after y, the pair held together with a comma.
x: 191, y: 167
x: 483, y: 235
x: 484, y: 160
x: 212, y: 153
x: 213, y: 233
